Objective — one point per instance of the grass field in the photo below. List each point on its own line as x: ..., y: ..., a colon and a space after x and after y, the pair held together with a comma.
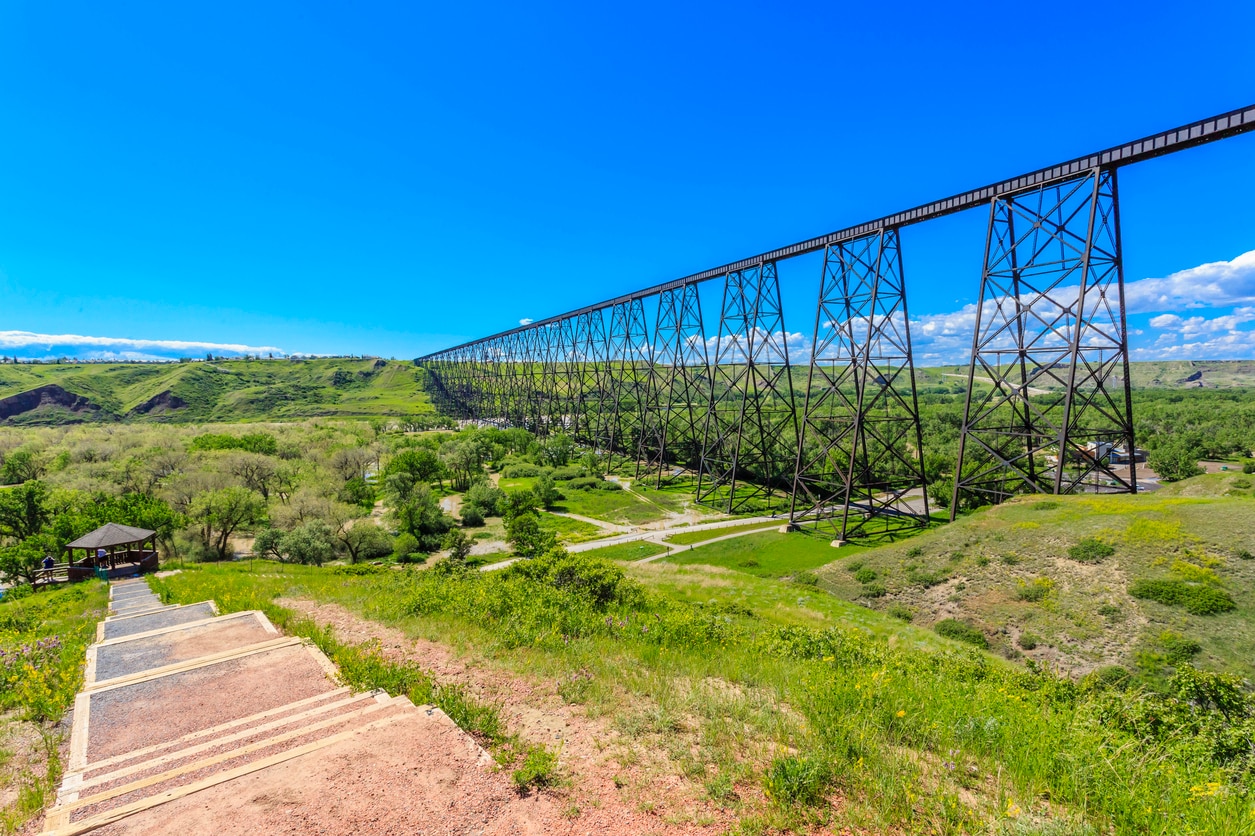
x: 686, y: 538
x: 767, y: 555
x: 629, y: 551
x: 621, y: 507
x: 794, y: 710
x: 569, y: 530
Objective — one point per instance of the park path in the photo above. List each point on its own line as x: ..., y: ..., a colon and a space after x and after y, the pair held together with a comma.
x: 201, y: 724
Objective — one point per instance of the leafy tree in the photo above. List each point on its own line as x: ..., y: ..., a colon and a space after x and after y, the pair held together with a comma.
x: 24, y: 510
x: 527, y: 537
x: 545, y: 491
x: 422, y: 517
x: 350, y: 462
x: 421, y: 464
x: 255, y: 471
x: 472, y: 516
x: 462, y: 458
x: 557, y: 449
x: 21, y: 466
x: 457, y: 544
x: 219, y: 514
x: 21, y: 562
x: 518, y: 503
x: 1175, y: 459
x: 309, y: 544
x: 404, y: 547
x: 269, y: 543
x: 364, y: 540
x: 487, y: 497
x: 357, y: 492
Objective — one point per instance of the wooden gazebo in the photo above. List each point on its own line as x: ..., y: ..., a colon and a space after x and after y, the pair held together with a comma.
x: 114, y: 549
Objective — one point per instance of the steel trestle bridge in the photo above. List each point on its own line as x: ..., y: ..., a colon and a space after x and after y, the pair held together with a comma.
x: 833, y: 437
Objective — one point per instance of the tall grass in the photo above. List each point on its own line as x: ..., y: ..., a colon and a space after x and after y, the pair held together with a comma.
x: 923, y: 742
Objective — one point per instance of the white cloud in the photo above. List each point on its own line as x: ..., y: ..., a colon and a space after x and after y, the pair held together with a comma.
x: 526, y: 321
x: 1213, y: 285
x: 89, y: 347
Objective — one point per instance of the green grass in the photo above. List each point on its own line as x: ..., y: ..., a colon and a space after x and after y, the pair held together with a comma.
x: 569, y: 530
x: 686, y: 538
x: 226, y: 390
x: 1024, y: 567
x: 747, y: 687
x: 768, y: 555
x: 629, y: 551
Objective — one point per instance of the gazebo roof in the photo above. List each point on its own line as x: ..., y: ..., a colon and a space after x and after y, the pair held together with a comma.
x: 111, y: 534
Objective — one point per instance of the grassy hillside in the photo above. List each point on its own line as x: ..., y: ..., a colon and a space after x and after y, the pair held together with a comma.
x: 1167, y: 374
x: 1053, y: 579
x: 225, y: 390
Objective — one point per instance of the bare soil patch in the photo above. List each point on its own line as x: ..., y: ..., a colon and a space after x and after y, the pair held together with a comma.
x: 596, y: 798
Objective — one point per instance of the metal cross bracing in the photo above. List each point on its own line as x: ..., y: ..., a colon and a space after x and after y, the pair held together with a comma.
x: 860, y: 451
x: 676, y: 398
x: 1049, y: 398
x: 750, y: 429
x: 630, y: 358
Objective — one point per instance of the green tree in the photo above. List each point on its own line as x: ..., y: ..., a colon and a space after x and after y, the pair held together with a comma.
x: 527, y: 537
x: 422, y: 517
x: 21, y: 466
x: 545, y: 491
x: 21, y: 562
x: 518, y: 503
x: 357, y: 492
x: 487, y: 497
x: 1175, y: 459
x: 557, y: 449
x: 362, y: 540
x: 219, y: 514
x: 421, y: 464
x: 24, y: 510
x: 457, y: 544
x: 309, y: 544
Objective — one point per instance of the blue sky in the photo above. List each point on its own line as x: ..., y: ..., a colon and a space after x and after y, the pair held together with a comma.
x: 394, y: 178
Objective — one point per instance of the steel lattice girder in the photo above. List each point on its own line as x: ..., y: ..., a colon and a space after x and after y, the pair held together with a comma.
x: 676, y: 400
x: 860, y: 453
x: 1050, y: 343
x: 750, y: 432
x: 631, y: 356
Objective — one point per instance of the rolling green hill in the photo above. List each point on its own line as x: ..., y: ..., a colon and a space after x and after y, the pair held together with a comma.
x: 220, y: 391
x: 1028, y: 575
x: 1165, y: 374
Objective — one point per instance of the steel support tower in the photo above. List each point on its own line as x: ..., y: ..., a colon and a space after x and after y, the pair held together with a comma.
x: 750, y: 431
x: 1048, y: 397
x: 859, y: 464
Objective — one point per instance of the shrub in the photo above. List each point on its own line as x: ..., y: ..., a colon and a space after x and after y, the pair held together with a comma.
x: 901, y: 613
x: 522, y: 470
x: 865, y: 575
x: 584, y: 483
x: 575, y: 471
x: 914, y: 551
x: 1195, y: 599
x: 925, y: 577
x: 598, y: 581
x: 1011, y: 559
x: 1248, y: 467
x: 854, y: 565
x: 874, y: 590
x: 952, y: 628
x: 539, y: 769
x: 472, y: 516
x: 806, y: 578
x: 1035, y: 590
x: 1090, y: 550
x: 1243, y: 554
x: 797, y: 780
x: 404, y: 546
x: 1045, y: 505
x: 1178, y: 648
x: 1028, y: 641
x: 486, y: 497
x: 607, y: 485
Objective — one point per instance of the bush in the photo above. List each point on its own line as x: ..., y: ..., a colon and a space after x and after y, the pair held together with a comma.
x: 1035, y: 590
x: 1028, y: 641
x: 1090, y: 550
x: 486, y: 497
x: 865, y: 575
x: 1243, y: 554
x: 562, y: 474
x: 1178, y: 648
x: 1195, y: 599
x: 901, y: 613
x: 874, y: 590
x: 1248, y: 467
x: 806, y: 578
x: 797, y: 780
x: 952, y: 628
x: 472, y: 516
x: 522, y: 470
x: 584, y: 483
x: 404, y: 547
x: 598, y: 581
